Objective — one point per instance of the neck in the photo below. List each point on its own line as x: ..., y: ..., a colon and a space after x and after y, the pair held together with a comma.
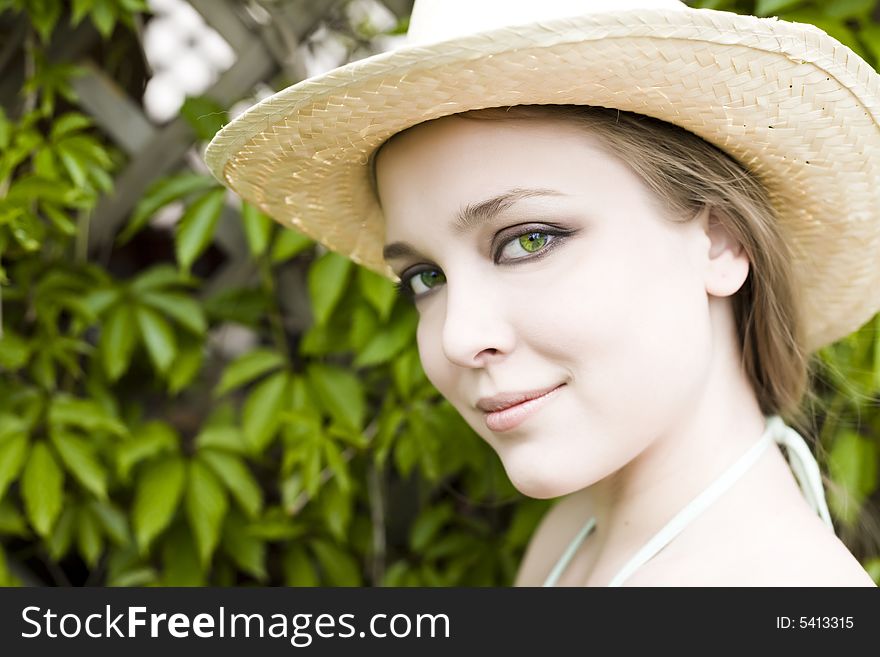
x: 635, y: 502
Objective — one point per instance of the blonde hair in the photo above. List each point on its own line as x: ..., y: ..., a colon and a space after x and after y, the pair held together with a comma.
x: 688, y: 174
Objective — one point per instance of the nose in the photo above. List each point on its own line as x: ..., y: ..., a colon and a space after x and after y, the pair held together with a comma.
x: 476, y: 329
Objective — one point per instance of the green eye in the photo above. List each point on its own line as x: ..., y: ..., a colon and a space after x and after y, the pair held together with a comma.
x: 532, y: 242
x: 430, y: 277
x: 417, y: 284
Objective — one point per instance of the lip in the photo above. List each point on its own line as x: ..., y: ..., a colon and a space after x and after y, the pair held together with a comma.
x: 507, y: 411
x: 507, y: 399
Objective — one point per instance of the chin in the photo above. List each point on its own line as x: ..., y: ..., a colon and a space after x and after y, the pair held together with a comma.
x: 539, y: 485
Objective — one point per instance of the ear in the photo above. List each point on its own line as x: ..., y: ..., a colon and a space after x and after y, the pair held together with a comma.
x: 727, y: 264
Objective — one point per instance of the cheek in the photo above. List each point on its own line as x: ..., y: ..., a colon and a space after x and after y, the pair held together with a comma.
x: 633, y: 330
x: 436, y: 366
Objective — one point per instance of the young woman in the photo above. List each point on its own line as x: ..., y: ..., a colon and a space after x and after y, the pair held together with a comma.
x: 620, y: 300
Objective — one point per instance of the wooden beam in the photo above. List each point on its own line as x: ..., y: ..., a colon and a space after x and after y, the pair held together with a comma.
x: 113, y: 110
x: 166, y: 150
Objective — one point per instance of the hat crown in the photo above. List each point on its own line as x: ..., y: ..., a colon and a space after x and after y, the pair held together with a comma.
x: 439, y: 20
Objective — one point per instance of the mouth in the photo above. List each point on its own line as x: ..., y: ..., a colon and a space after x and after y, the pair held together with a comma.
x: 511, y: 415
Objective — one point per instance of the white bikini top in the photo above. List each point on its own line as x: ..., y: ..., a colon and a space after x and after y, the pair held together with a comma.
x: 800, y: 459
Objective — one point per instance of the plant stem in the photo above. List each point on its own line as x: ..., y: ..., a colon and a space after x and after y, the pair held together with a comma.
x: 377, y: 515
x: 327, y: 473
x: 276, y: 322
x: 81, y: 250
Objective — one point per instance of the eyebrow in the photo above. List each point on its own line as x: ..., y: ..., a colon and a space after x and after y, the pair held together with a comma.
x: 474, y: 215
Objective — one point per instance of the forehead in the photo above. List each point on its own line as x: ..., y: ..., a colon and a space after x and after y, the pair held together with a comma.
x: 453, y: 160
x: 461, y: 137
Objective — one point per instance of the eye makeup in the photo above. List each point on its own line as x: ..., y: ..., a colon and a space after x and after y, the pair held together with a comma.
x: 555, y: 234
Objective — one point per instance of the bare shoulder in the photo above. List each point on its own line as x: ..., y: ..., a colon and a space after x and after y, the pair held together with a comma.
x: 799, y: 554
x: 552, y: 535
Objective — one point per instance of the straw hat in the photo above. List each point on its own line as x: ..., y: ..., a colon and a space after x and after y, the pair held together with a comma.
x: 791, y: 103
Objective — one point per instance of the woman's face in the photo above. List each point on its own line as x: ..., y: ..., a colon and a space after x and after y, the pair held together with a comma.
x: 540, y: 261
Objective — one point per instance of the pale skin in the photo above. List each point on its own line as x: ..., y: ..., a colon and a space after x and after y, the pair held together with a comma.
x: 632, y: 313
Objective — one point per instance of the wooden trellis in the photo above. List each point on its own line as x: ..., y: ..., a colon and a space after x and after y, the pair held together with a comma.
x: 263, y: 51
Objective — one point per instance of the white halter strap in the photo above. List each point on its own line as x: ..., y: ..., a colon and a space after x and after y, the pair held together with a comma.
x: 802, y: 463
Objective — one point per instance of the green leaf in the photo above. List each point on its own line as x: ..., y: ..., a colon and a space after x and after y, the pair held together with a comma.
x: 338, y: 566
x: 237, y: 478
x: 135, y: 6
x: 389, y: 422
x: 876, y: 347
x: 148, y: 440
x: 298, y: 568
x: 160, y: 194
x: 228, y: 438
x: 327, y: 279
x: 378, y: 290
x: 89, y: 538
x: 276, y: 525
x: 13, y: 451
x: 158, y: 336
x: 340, y: 392
x: 43, y: 369
x: 206, y: 507
x: 773, y: 7
x: 260, y: 415
x: 59, y: 219
x: 427, y: 526
x: 248, y: 367
x: 337, y: 511
x: 80, y: 459
x: 179, y: 307
x: 364, y: 325
x: 257, y: 229
x: 247, y: 551
x: 112, y: 520
x: 103, y: 16
x: 75, y: 167
x: 44, y: 16
x: 180, y: 559
x: 337, y: 465
x: 161, y: 277
x: 5, y: 131
x: 68, y: 123
x: 156, y: 497
x: 99, y: 300
x: 87, y: 149
x: 196, y: 228
x: 388, y: 343
x: 396, y: 575
x: 14, y: 351
x: 42, y: 487
x: 852, y: 464
x: 185, y: 367
x: 406, y: 453
x: 11, y: 521
x: 526, y: 517
x: 241, y: 305
x: 849, y: 8
x: 10, y: 424
x: 288, y: 244
x: 407, y: 373
x: 204, y: 115
x: 870, y: 35
x: 87, y: 414
x: 62, y: 534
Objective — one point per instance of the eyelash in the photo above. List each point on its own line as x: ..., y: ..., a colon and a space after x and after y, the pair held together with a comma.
x: 557, y: 235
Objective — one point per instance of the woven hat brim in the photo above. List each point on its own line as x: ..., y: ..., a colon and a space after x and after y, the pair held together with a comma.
x: 788, y: 101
